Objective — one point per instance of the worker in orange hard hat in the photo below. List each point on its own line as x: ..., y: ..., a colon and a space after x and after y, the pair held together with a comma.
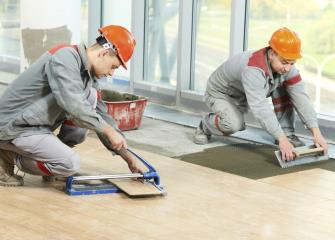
x: 246, y: 80
x: 120, y: 40
x: 286, y: 43
x: 61, y: 89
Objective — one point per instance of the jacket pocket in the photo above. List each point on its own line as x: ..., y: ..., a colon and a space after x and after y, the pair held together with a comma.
x: 38, y: 117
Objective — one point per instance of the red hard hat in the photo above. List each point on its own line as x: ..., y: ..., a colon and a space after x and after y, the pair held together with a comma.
x: 123, y: 41
x: 286, y: 43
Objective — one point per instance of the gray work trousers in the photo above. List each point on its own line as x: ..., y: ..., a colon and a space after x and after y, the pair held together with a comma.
x: 50, y: 155
x: 227, y: 117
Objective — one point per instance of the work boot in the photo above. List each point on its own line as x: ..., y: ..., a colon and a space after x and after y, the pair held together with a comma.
x: 201, y: 136
x: 294, y: 140
x: 7, y: 176
x: 49, y: 179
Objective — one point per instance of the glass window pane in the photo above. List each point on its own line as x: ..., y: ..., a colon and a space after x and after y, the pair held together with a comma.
x: 314, y: 22
x: 161, y: 41
x: 23, y: 27
x: 9, y: 39
x: 118, y: 13
x: 212, y: 29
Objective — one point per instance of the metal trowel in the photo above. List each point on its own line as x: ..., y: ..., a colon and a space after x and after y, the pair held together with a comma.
x: 303, y: 155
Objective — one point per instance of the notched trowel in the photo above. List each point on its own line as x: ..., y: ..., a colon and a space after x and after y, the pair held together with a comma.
x: 303, y: 155
x: 145, y: 184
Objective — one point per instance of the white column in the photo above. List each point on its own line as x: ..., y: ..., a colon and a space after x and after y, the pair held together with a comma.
x: 237, y: 26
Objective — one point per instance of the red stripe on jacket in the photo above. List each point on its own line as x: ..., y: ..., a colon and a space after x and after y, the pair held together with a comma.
x: 56, y: 48
x: 69, y: 123
x: 281, y: 100
x: 293, y: 80
x: 283, y: 108
x: 258, y: 59
x: 43, y: 168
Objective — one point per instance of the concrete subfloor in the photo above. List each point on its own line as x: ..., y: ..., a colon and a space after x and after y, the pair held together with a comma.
x: 169, y: 132
x: 172, y: 140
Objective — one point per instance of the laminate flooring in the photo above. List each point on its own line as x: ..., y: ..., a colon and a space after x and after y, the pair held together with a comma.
x: 201, y: 203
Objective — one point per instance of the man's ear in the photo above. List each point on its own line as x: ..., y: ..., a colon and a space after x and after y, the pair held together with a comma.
x: 103, y: 52
x: 272, y: 53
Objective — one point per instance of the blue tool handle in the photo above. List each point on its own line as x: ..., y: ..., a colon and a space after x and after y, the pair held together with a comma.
x: 68, y: 185
x: 147, y: 164
x: 151, y: 174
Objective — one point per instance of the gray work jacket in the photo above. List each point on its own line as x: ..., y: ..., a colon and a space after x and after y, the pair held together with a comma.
x: 51, y: 90
x: 247, y: 80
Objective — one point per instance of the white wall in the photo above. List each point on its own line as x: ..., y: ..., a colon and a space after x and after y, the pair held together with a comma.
x: 42, y: 15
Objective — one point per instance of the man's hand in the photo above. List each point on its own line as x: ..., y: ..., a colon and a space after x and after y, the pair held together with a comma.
x: 319, y: 140
x: 115, y: 138
x: 119, y: 145
x: 132, y: 161
x: 286, y: 149
x: 134, y: 168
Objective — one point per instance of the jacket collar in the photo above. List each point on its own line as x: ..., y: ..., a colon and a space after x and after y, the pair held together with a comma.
x: 260, y: 60
x: 83, y: 55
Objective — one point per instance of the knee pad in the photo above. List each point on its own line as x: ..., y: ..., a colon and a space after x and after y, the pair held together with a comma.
x: 78, y: 135
x: 72, y: 135
x: 228, y: 125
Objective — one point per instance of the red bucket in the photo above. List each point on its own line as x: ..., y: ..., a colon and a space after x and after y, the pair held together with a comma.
x: 126, y: 109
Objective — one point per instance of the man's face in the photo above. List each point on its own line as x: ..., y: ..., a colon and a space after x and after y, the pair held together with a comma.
x: 105, y: 64
x: 279, y: 64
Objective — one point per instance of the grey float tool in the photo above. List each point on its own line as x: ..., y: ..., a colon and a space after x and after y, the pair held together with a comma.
x: 303, y: 155
x: 146, y: 184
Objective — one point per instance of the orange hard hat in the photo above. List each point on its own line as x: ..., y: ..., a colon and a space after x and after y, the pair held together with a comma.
x: 286, y: 43
x: 121, y: 41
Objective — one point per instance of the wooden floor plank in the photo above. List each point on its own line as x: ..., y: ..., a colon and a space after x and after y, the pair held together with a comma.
x: 135, y: 188
x: 316, y: 182
x: 201, y: 203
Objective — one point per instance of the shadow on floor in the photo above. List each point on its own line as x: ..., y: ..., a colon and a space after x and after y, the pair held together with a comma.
x: 248, y: 160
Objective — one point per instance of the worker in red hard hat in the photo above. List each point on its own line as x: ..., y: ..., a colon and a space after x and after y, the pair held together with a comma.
x: 246, y: 80
x: 61, y: 90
